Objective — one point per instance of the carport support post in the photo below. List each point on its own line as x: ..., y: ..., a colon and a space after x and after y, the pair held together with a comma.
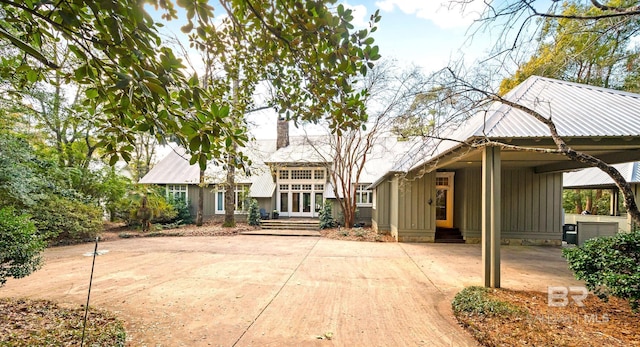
x: 491, y: 220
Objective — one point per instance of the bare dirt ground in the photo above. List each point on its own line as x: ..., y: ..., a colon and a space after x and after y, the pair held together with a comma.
x: 595, y: 324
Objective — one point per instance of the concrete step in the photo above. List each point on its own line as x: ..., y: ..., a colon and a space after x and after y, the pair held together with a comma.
x: 290, y: 224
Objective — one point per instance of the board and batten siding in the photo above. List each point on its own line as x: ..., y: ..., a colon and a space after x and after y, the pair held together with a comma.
x: 531, y: 205
x: 416, y: 220
x: 209, y: 200
x: 380, y: 214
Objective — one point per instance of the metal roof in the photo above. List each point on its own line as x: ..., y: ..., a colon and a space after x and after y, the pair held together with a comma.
x: 173, y: 169
x: 577, y: 110
x: 303, y: 150
x: 594, y: 177
x: 262, y: 186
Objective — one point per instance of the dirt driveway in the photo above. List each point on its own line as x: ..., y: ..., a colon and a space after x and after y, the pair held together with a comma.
x: 281, y: 291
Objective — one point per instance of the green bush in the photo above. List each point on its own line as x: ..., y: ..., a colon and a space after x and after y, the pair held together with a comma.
x: 475, y: 300
x: 62, y: 220
x: 161, y: 210
x: 20, y: 246
x: 183, y: 213
x: 254, y: 213
x: 609, y: 266
x: 326, y: 216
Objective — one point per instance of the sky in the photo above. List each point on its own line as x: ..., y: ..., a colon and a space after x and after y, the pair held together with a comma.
x: 423, y: 33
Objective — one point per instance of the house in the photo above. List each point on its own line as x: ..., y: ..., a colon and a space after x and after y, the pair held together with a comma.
x: 414, y: 189
x: 290, y: 175
x: 593, y: 178
x: 496, y: 179
x: 516, y: 193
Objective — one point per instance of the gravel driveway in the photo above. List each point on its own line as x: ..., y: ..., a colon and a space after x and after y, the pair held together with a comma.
x: 282, y: 291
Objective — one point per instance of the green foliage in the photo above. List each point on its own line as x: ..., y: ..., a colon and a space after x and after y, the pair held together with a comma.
x: 609, y: 266
x: 254, y: 213
x: 326, y: 216
x: 183, y: 213
x: 591, y: 52
x: 63, y: 220
x: 20, y: 246
x: 599, y: 201
x: 20, y: 183
x: 162, y: 211
x: 476, y: 300
x: 133, y: 82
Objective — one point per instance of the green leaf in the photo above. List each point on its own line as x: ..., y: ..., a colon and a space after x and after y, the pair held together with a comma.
x: 194, y: 144
x: 91, y: 93
x: 32, y: 76
x: 113, y: 160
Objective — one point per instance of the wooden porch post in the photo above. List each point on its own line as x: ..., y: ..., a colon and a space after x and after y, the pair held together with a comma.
x: 491, y: 219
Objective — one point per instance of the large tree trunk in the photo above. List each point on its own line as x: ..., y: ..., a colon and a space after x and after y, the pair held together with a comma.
x: 229, y: 195
x: 589, y: 206
x: 578, y: 201
x: 200, y: 213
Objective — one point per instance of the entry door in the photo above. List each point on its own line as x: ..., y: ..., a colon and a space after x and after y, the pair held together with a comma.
x: 301, y: 204
x: 444, y: 199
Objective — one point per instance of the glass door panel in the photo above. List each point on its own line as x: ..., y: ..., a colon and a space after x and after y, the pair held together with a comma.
x: 318, y: 203
x: 441, y: 204
x: 284, y: 202
x: 295, y: 202
x: 306, y: 202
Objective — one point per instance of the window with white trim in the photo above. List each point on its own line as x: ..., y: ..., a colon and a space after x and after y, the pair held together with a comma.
x: 300, y: 174
x: 241, y: 202
x: 364, y: 196
x: 177, y: 191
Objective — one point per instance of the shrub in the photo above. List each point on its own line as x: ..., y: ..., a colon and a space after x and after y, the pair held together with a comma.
x: 20, y: 246
x: 183, y: 213
x: 326, y: 216
x: 254, y: 213
x: 609, y: 266
x: 161, y: 210
x: 64, y: 220
x: 476, y: 300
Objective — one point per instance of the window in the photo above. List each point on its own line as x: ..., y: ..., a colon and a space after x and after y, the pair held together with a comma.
x: 319, y: 187
x: 364, y: 196
x: 318, y: 174
x: 284, y: 187
x: 177, y: 191
x: 284, y: 174
x: 295, y: 187
x: 306, y: 187
x: 241, y: 196
x: 220, y: 201
x: 442, y: 181
x: 301, y: 174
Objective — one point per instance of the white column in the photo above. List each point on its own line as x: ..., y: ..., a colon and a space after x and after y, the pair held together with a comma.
x: 491, y: 219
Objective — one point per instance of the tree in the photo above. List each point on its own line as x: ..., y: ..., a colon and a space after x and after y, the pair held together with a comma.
x: 20, y: 246
x: 136, y: 84
x: 389, y: 94
x: 299, y: 49
x: 594, y: 52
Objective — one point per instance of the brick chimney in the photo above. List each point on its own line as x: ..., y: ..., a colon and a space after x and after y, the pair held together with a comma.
x: 282, y: 139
